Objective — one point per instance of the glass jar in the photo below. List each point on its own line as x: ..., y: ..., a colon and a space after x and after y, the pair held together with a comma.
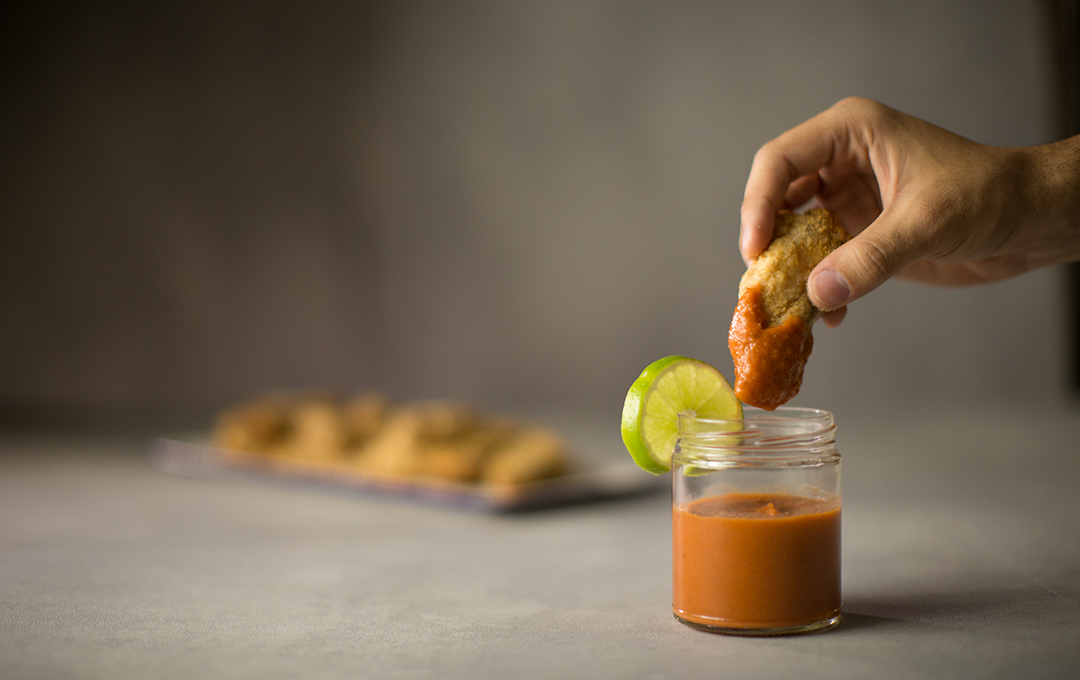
x: 756, y: 523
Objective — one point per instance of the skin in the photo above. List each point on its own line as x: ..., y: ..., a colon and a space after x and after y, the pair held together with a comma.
x: 921, y: 203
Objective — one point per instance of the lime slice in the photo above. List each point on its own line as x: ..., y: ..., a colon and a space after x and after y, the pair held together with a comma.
x: 664, y: 390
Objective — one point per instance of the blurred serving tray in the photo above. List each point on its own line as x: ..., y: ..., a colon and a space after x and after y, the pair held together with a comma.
x: 192, y: 457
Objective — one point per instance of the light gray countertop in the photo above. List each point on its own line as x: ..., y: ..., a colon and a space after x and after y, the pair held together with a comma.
x: 961, y: 559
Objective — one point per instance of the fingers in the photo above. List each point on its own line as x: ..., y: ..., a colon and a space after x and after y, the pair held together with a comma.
x: 796, y: 154
x: 840, y: 157
x: 802, y: 190
x: 785, y: 172
x: 755, y: 232
x: 828, y: 288
x: 854, y: 198
x: 866, y: 261
x: 832, y: 319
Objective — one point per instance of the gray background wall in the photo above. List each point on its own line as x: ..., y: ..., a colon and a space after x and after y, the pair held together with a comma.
x: 512, y: 203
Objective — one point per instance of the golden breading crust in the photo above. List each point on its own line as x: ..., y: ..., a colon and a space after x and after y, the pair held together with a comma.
x: 799, y: 243
x: 770, y: 337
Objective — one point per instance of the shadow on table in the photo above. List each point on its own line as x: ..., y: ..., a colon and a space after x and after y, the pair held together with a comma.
x: 958, y: 608
x: 852, y: 621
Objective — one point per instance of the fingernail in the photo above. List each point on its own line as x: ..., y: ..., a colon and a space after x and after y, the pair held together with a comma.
x: 744, y: 239
x: 830, y: 289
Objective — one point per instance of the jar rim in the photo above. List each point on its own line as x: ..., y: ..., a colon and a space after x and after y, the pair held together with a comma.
x: 785, y: 433
x: 782, y: 414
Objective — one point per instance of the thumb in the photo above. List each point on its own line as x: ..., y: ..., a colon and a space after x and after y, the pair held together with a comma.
x: 865, y: 262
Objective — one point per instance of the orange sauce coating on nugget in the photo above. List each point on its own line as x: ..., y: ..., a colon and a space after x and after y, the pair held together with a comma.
x: 768, y: 361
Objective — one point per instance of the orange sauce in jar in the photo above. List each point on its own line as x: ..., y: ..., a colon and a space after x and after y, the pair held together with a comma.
x: 756, y: 561
x: 769, y: 361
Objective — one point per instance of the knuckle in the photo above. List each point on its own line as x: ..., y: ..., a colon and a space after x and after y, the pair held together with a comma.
x: 772, y: 157
x: 861, y: 112
x: 859, y: 106
x: 852, y: 103
x: 874, y: 260
x: 768, y: 152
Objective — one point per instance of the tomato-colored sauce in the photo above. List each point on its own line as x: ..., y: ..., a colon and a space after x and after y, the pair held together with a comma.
x: 756, y: 561
x: 769, y: 361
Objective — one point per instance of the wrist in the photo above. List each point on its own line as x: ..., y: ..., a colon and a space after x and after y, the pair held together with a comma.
x: 1051, y: 200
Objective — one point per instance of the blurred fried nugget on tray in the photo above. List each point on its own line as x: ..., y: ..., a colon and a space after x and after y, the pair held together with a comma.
x: 362, y: 417
x: 532, y: 453
x: 424, y: 440
x: 257, y: 425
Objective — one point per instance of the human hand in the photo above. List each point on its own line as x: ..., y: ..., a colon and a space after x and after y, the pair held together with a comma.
x: 921, y: 203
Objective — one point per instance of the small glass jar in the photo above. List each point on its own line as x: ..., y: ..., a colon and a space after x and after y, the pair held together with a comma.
x: 756, y: 523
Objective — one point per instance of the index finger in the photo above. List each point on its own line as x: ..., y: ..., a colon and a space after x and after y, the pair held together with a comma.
x: 800, y: 151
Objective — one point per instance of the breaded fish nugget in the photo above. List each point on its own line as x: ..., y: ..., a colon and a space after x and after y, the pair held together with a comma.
x: 362, y: 417
x: 533, y: 454
x: 317, y: 432
x: 396, y: 449
x: 431, y: 440
x: 253, y: 426
x: 770, y: 337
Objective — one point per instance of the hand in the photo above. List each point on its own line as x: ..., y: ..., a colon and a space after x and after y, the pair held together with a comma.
x: 921, y: 203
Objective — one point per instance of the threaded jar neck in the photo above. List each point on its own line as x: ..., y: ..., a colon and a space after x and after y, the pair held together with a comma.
x: 786, y: 436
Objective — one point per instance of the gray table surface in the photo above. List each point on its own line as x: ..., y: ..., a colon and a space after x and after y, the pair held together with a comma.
x: 961, y: 559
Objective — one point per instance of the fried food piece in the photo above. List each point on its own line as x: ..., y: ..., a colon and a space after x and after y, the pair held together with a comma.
x: 458, y: 462
x: 770, y: 337
x: 395, y: 449
x: 799, y: 243
x: 531, y: 455
x: 255, y: 426
x: 442, y: 420
x: 463, y: 458
x: 317, y: 431
x: 426, y: 439
x: 362, y: 416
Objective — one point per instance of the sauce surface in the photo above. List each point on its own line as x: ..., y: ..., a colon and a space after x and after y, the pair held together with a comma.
x: 769, y: 361
x: 756, y: 560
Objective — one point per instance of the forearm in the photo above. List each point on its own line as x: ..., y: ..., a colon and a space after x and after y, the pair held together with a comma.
x: 1051, y: 196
